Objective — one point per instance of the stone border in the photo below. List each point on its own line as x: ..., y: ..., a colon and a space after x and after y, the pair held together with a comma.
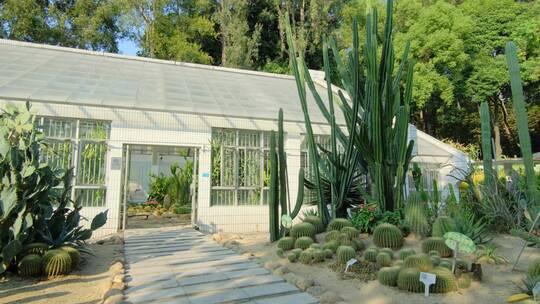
x: 114, y: 293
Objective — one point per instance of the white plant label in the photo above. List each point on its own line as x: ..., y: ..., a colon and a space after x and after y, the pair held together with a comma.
x: 536, y: 290
x: 350, y: 263
x: 428, y: 279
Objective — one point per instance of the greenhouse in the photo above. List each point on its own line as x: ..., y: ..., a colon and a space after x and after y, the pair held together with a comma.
x: 114, y: 118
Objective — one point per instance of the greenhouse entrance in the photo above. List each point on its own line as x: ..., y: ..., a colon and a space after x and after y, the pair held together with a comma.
x: 159, y: 186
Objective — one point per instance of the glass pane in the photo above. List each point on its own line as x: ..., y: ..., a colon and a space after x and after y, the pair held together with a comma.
x: 249, y: 139
x: 249, y: 197
x: 95, y: 130
x: 90, y: 197
x: 266, y: 173
x: 228, y: 167
x: 92, y: 160
x: 222, y: 197
x: 58, y: 154
x: 58, y: 128
x: 225, y: 137
x: 249, y: 174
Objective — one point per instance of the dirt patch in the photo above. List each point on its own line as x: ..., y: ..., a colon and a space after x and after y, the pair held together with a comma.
x: 83, y: 286
x: 499, y: 281
x: 166, y: 220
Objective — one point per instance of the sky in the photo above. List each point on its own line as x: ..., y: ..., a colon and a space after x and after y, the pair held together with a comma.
x: 127, y: 47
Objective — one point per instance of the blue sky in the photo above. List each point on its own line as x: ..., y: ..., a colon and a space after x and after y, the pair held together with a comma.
x: 127, y: 47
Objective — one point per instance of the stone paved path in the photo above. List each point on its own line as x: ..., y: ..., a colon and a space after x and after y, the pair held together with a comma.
x: 181, y: 265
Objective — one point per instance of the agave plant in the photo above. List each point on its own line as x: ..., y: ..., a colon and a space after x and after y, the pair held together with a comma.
x: 487, y: 254
x: 375, y: 111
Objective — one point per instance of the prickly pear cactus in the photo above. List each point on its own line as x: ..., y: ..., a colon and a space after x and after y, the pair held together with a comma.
x: 30, y: 265
x: 387, y: 235
x: 56, y: 262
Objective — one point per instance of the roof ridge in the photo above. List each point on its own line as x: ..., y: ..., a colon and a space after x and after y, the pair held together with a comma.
x: 142, y: 59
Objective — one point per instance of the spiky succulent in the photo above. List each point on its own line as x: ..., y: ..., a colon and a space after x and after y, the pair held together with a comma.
x: 318, y: 256
x: 30, y: 265
x: 345, y: 241
x: 303, y: 229
x: 332, y: 235
x: 415, y: 214
x: 434, y: 253
x: 279, y: 252
x: 56, y: 262
x: 328, y: 253
x: 534, y: 268
x: 359, y: 244
x: 345, y: 253
x: 306, y: 257
x: 420, y: 261
x: 398, y: 263
x: 371, y: 254
x: 292, y: 257
x: 442, y: 225
x: 387, y: 235
x: 303, y: 242
x: 351, y: 232
x: 338, y: 224
x: 388, y: 275
x: 36, y: 248
x: 435, y: 260
x: 384, y: 259
x: 444, y: 281
x: 389, y: 251
x: 286, y: 243
x: 316, y: 222
x: 409, y: 280
x: 436, y: 244
x: 75, y: 256
x: 315, y: 246
x: 297, y: 251
x: 404, y: 253
x: 331, y: 245
x: 446, y: 264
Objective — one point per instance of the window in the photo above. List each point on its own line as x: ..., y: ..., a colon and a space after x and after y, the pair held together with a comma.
x: 430, y: 173
x: 324, y: 141
x: 81, y: 144
x: 240, y: 170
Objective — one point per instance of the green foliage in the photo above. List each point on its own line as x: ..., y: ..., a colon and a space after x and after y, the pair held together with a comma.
x: 487, y: 254
x: 383, y: 259
x: 175, y: 186
x: 419, y: 261
x: 442, y: 225
x: 371, y: 254
x: 351, y: 232
x: 437, y: 244
x: 534, y: 268
x: 387, y: 235
x: 364, y: 218
x: 75, y: 256
x: 409, y: 280
x: 303, y: 242
x: 56, y: 262
x: 315, y: 221
x: 331, y: 245
x: 286, y: 243
x: 30, y: 266
x: 388, y: 275
x: 345, y: 253
x: 338, y: 224
x: 404, y: 253
x: 303, y: 229
x: 444, y: 282
x: 180, y: 209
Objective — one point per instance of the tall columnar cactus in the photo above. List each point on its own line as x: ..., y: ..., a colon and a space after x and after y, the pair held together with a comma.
x: 522, y: 122
x: 415, y: 214
x: 376, y: 117
x: 489, y: 175
x: 278, y: 191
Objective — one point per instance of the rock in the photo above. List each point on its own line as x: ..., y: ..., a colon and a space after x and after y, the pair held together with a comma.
x: 316, y: 290
x: 118, y: 259
x: 118, y: 285
x: 116, y: 299
x: 271, y: 265
x: 291, y: 278
x: 281, y: 270
x: 329, y: 297
x: 235, y: 237
x: 217, y: 237
x: 112, y: 292
x: 117, y: 267
x: 304, y: 283
x: 119, y: 278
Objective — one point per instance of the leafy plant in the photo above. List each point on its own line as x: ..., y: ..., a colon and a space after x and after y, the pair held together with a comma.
x: 364, y: 218
x: 487, y: 253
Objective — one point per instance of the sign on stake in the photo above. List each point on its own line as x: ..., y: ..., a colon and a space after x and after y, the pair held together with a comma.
x: 428, y: 279
x: 350, y: 263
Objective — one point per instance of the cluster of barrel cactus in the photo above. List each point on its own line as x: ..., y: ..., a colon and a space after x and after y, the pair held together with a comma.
x: 442, y: 225
x: 436, y: 244
x: 38, y: 259
x: 388, y: 235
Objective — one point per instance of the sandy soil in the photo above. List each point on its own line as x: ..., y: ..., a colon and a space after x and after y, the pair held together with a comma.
x: 80, y: 287
x: 165, y: 220
x: 499, y: 281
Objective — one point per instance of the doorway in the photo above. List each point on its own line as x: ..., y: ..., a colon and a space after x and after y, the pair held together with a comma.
x: 159, y: 186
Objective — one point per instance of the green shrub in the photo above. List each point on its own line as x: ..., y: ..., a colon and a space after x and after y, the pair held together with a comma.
x: 56, y: 262
x: 442, y: 225
x: 30, y: 265
x: 420, y: 261
x: 387, y: 235
x: 303, y: 242
x: 436, y: 244
x: 383, y: 259
x: 180, y: 209
x: 409, y: 280
x: 444, y: 282
x: 316, y: 222
x: 388, y: 275
x: 345, y: 253
x: 338, y: 224
x: 302, y: 230
x: 286, y: 243
x: 371, y: 254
